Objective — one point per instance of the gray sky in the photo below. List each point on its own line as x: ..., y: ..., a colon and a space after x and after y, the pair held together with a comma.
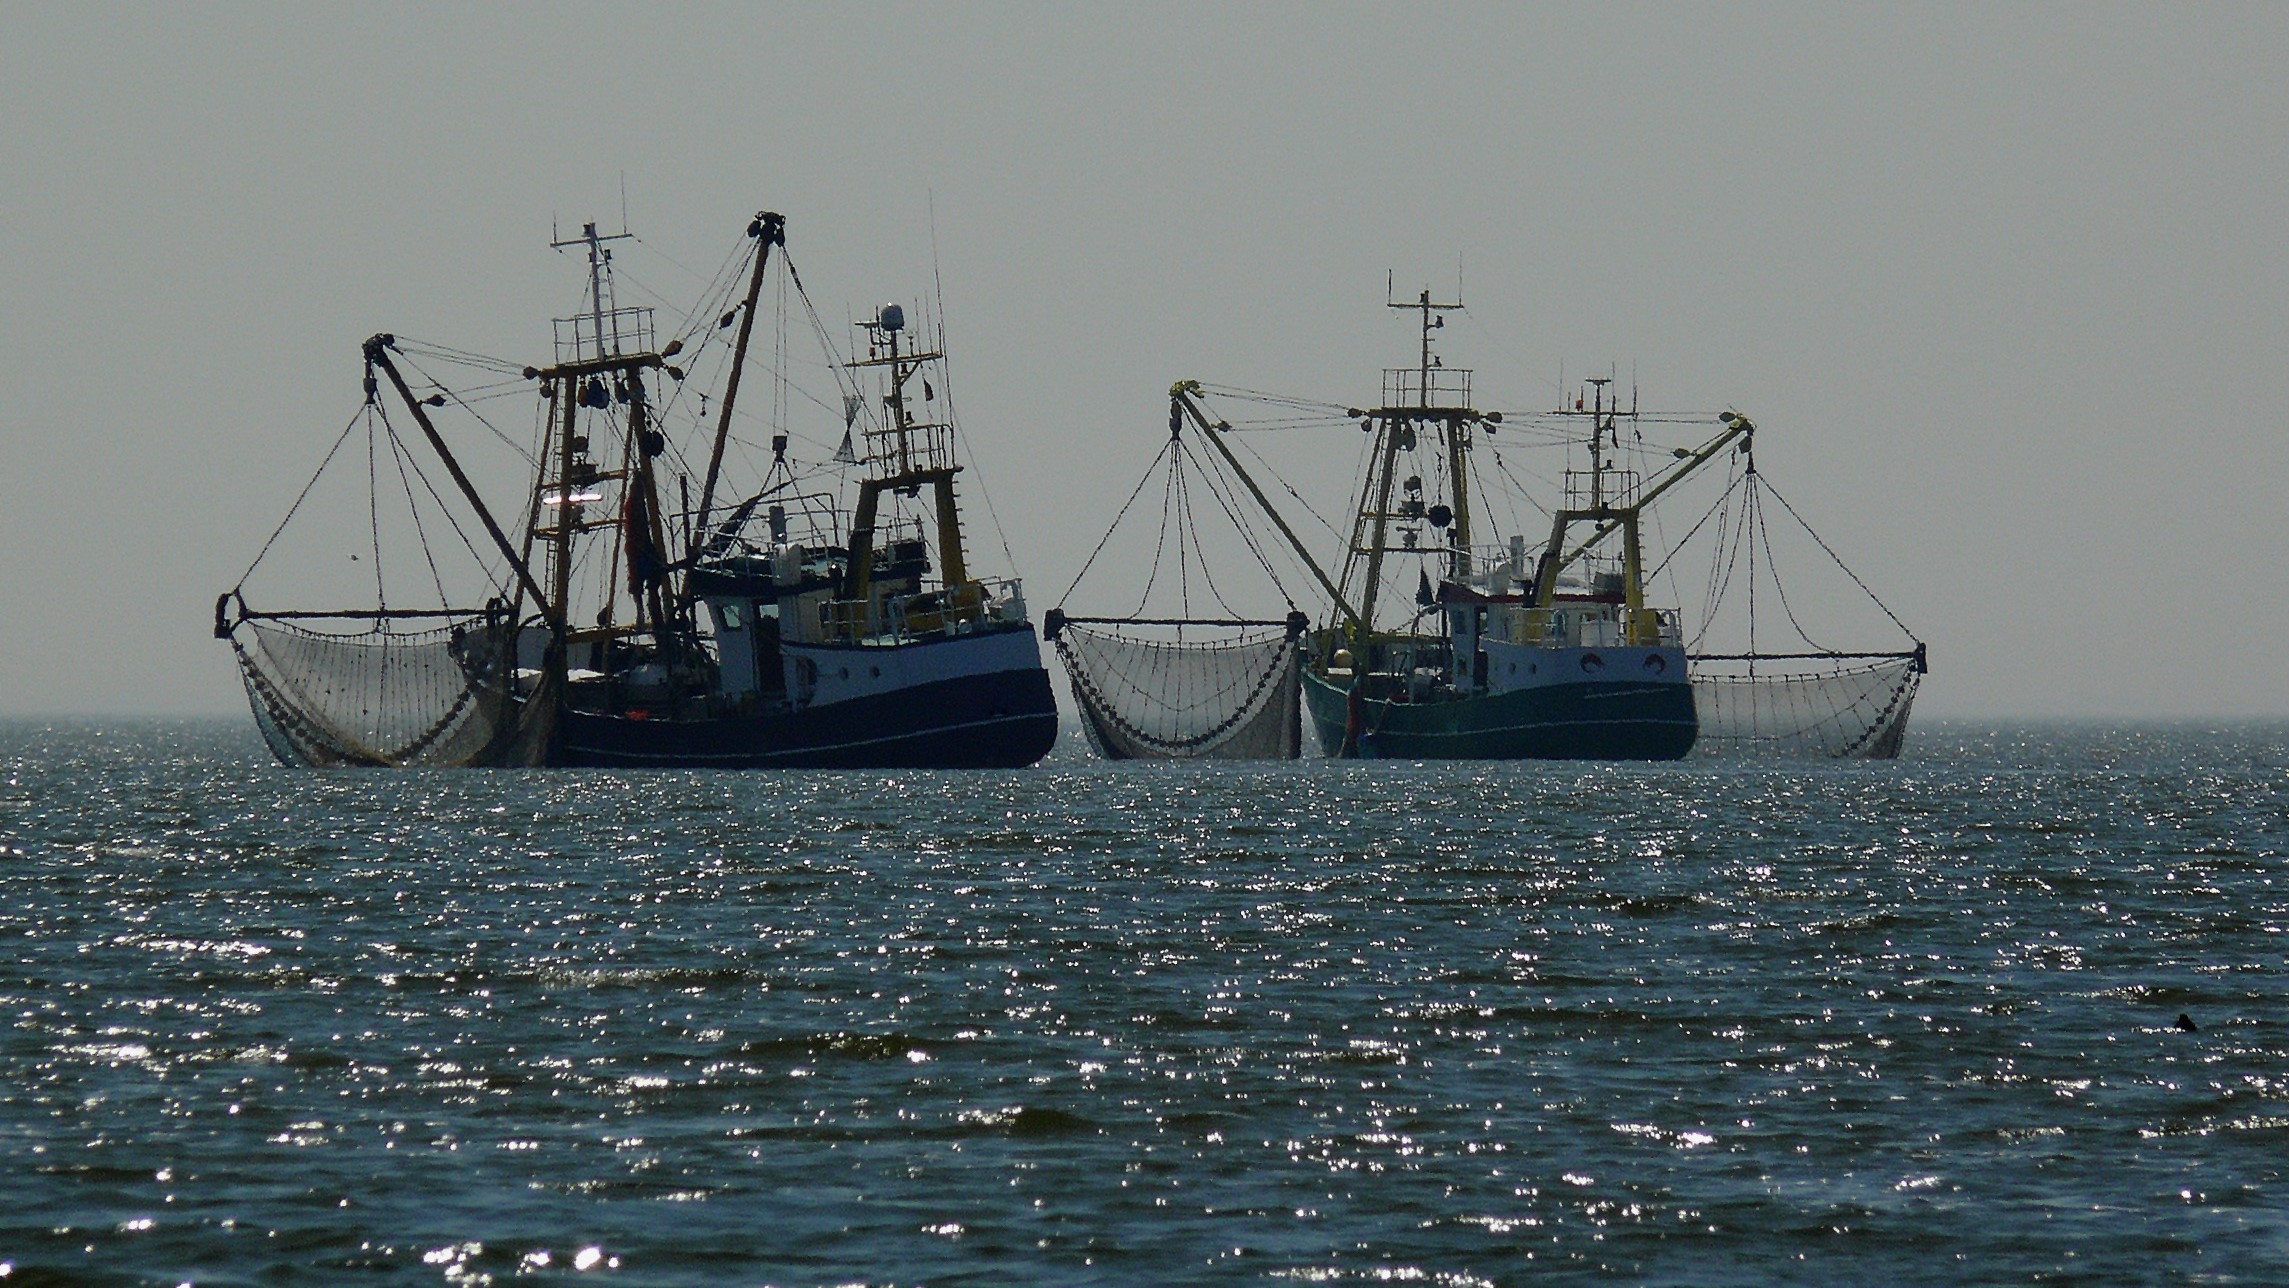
x: 2005, y: 286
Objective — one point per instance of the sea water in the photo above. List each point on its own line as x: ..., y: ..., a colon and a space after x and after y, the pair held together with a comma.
x: 1319, y: 1022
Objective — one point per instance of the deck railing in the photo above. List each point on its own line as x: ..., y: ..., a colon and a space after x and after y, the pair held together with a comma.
x: 985, y: 604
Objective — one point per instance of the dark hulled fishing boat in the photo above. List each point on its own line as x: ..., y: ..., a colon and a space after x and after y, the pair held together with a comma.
x: 626, y: 628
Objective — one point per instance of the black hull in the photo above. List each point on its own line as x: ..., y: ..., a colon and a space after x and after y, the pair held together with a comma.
x: 1001, y: 720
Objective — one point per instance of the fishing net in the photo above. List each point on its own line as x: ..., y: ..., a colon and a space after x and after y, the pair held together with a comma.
x: 440, y: 697
x: 1852, y: 709
x: 1157, y: 699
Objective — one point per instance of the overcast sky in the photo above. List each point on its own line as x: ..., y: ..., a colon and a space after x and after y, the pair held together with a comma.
x: 2005, y: 286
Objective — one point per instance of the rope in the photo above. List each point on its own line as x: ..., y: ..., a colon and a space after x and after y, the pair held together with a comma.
x: 1248, y: 535
x: 304, y: 495
x: 1333, y: 531
x: 1167, y: 493
x: 373, y: 506
x: 463, y: 403
x: 1143, y: 479
x: 1706, y: 515
x: 397, y: 455
x: 1772, y: 569
x: 1833, y: 555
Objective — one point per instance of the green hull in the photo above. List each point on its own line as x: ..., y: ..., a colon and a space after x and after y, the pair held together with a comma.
x: 1591, y: 720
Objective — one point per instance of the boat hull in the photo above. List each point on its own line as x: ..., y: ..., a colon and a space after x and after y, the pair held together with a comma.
x: 1583, y: 720
x: 1004, y: 718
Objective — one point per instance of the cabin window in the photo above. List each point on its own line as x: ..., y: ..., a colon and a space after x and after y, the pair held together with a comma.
x: 731, y: 617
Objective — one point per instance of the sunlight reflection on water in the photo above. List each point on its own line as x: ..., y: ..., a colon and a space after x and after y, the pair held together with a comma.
x: 1329, y: 1023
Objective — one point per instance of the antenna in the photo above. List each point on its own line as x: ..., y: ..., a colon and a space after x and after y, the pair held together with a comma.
x: 938, y: 284
x: 599, y: 281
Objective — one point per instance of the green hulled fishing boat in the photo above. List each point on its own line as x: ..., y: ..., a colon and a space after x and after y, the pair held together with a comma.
x: 1432, y: 644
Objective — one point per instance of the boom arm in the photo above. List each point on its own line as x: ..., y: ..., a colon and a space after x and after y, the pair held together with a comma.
x: 1737, y: 428
x: 1181, y: 398
x: 771, y: 230
x: 377, y: 353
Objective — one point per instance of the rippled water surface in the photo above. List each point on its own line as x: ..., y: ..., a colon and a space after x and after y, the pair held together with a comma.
x: 1453, y: 1024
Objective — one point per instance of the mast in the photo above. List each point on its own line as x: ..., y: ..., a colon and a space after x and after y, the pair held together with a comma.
x: 1431, y: 395
x: 601, y: 355
x: 560, y: 537
x: 599, y: 278
x: 1598, y: 428
x: 1387, y: 457
x: 1610, y: 518
x: 770, y: 229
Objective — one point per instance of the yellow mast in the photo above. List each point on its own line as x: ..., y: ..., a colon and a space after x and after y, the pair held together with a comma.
x: 1610, y: 518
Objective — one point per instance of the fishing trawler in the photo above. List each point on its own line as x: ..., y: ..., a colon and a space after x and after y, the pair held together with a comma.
x: 1562, y: 659
x: 627, y: 626
x: 1506, y: 651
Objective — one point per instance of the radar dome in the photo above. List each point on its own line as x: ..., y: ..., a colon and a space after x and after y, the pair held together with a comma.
x: 891, y: 318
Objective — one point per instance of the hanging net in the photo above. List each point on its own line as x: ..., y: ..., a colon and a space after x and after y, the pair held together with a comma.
x: 440, y: 697
x: 1202, y: 679
x: 1159, y: 699
x: 1803, y: 698
x: 1836, y: 707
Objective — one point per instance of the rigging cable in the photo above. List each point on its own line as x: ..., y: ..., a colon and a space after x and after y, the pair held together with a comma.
x: 397, y: 455
x: 1687, y: 540
x: 304, y: 495
x: 1772, y: 569
x: 1117, y: 517
x: 961, y: 444
x: 1291, y: 491
x: 410, y: 458
x: 513, y: 445
x: 373, y: 511
x: 1248, y: 535
x: 1832, y: 555
x: 1167, y: 492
